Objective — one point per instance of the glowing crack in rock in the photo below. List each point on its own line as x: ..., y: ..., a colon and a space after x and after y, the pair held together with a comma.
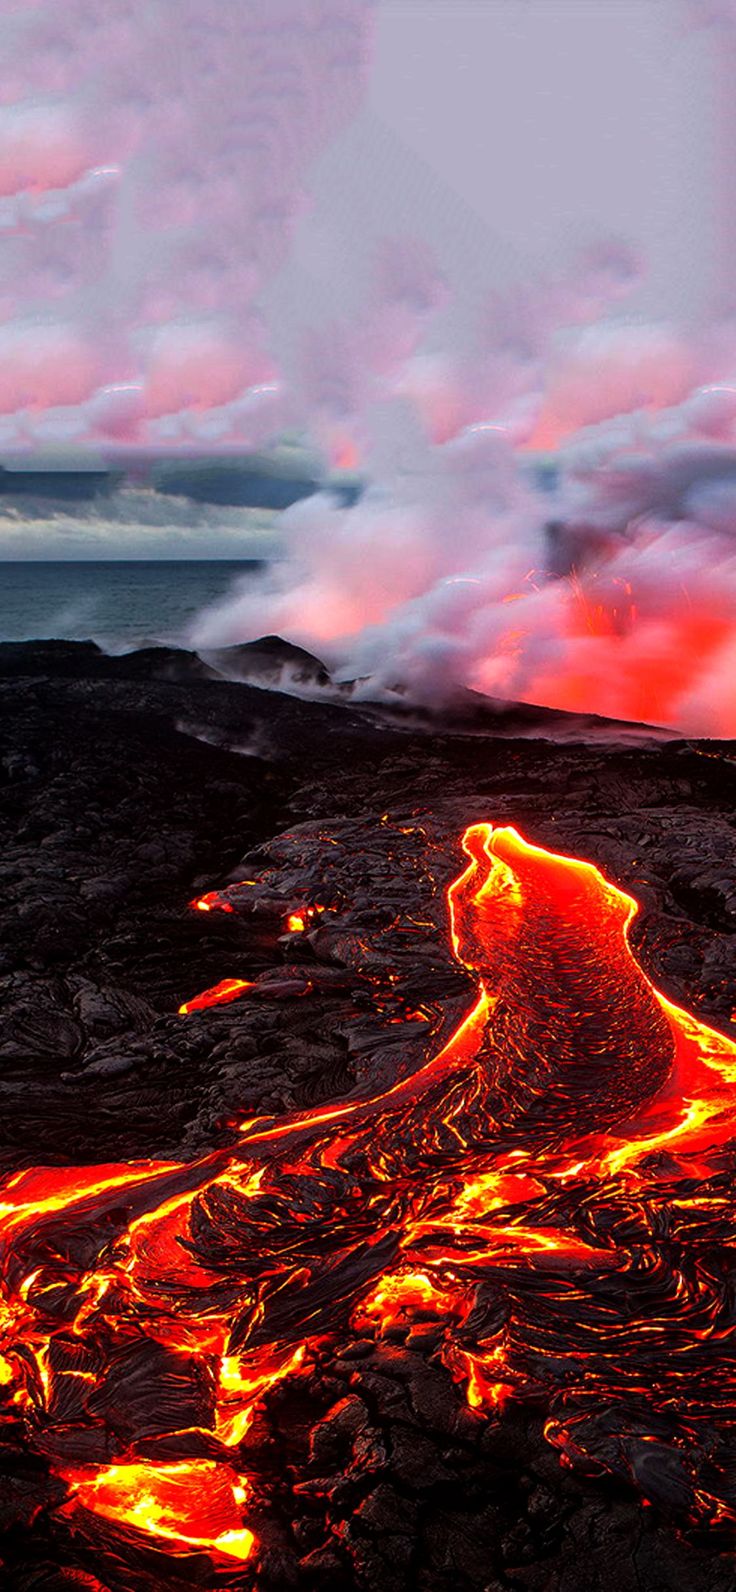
x: 229, y: 989
x: 550, y: 1191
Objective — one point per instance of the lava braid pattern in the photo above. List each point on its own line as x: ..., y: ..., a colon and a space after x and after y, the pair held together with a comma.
x: 554, y: 1188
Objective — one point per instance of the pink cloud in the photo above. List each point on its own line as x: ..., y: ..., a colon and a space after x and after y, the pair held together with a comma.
x: 152, y: 163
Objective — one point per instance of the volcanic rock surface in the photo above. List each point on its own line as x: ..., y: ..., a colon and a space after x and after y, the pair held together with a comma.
x: 130, y: 787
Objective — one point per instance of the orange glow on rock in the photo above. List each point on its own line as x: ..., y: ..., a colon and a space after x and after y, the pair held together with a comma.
x: 189, y: 1505
x: 229, y: 989
x: 517, y: 1200
x: 212, y: 902
x: 306, y: 917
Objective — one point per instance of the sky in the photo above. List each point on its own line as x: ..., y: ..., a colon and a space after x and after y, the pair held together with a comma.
x: 226, y: 224
x: 153, y: 161
x: 188, y: 192
x: 505, y: 132
x: 437, y: 241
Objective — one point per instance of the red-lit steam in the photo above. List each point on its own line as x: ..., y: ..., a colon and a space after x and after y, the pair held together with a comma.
x: 616, y: 547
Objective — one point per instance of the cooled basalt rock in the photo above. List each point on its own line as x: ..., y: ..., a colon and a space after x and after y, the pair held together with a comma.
x: 406, y: 1486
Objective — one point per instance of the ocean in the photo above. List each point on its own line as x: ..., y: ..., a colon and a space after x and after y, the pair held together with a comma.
x: 120, y: 604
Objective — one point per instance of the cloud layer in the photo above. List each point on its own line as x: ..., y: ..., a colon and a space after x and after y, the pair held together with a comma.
x: 152, y: 155
x: 612, y: 591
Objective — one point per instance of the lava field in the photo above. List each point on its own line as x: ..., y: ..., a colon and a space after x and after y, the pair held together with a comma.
x: 368, y: 1147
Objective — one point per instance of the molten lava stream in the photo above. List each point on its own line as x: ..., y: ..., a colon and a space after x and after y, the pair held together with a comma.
x: 551, y: 1192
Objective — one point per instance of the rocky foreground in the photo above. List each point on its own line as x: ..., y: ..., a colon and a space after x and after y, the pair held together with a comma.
x: 130, y: 786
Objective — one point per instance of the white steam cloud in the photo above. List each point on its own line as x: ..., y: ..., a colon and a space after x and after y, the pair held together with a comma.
x: 612, y: 591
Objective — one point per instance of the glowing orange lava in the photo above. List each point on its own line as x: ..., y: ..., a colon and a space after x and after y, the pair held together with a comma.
x: 543, y: 1192
x: 157, y: 1499
x: 212, y: 902
x: 229, y: 989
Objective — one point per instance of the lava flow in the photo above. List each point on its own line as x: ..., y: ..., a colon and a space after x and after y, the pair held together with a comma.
x: 553, y: 1190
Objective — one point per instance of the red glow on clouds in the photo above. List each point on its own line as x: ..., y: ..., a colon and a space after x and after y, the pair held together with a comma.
x: 151, y: 169
x: 40, y: 148
x: 608, y: 371
x: 344, y: 453
x: 646, y: 675
x: 151, y: 193
x: 193, y: 368
x: 45, y: 366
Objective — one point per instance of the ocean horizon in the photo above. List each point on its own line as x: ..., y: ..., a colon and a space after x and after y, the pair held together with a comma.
x: 119, y: 603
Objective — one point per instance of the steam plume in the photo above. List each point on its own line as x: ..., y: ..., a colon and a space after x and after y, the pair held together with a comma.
x: 612, y: 591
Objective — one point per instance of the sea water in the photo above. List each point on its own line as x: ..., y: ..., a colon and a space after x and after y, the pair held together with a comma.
x: 120, y: 604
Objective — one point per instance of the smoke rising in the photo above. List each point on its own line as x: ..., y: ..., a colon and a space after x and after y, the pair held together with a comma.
x: 147, y: 194
x: 550, y: 517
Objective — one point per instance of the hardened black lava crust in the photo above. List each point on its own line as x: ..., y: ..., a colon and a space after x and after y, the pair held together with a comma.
x: 130, y: 787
